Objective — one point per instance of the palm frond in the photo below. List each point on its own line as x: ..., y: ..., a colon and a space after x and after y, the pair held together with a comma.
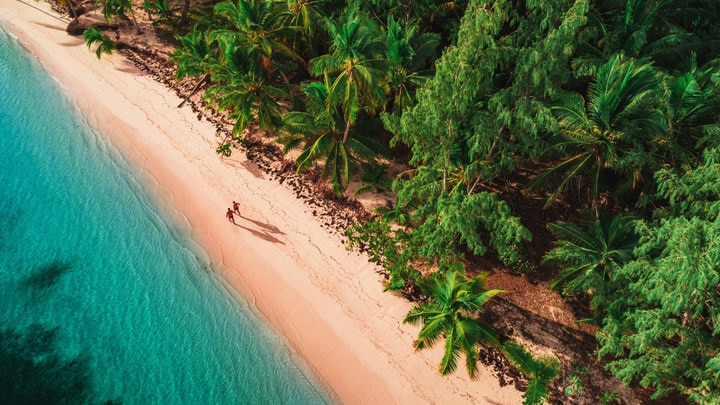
x: 93, y: 35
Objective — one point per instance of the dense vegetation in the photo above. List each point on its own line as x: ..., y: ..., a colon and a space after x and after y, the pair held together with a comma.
x: 608, y: 110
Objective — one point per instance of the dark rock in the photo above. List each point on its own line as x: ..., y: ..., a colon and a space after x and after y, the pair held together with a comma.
x: 77, y: 27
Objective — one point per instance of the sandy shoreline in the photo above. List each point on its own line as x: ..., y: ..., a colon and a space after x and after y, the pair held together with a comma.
x: 326, y: 302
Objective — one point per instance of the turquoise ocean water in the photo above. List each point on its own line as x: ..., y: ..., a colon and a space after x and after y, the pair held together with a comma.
x: 96, y: 285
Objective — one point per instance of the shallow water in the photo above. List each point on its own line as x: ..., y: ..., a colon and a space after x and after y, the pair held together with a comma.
x: 83, y: 250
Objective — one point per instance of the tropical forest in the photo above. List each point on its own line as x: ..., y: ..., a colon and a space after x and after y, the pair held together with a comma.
x: 571, y: 143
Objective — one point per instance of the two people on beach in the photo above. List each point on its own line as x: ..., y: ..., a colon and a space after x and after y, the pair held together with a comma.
x: 230, y: 212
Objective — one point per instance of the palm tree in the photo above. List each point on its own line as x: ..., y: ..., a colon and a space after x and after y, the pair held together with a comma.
x: 306, y: 16
x: 693, y: 102
x: 240, y: 85
x: 540, y: 372
x: 93, y: 35
x: 589, y: 256
x: 318, y: 130
x: 357, y: 66
x: 258, y: 25
x: 612, y: 132
x: 450, y: 312
x: 195, y: 56
x: 408, y: 53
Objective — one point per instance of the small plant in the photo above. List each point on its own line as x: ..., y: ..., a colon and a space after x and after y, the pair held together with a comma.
x: 609, y: 397
x: 573, y: 383
x: 224, y: 149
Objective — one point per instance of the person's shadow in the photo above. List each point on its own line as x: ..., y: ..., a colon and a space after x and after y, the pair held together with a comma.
x: 268, y: 228
x: 262, y: 234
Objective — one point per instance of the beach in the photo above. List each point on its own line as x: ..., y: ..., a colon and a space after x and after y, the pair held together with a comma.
x: 325, y: 302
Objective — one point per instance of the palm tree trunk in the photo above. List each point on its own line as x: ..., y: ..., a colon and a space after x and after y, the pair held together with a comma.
x: 195, y: 89
x: 135, y: 23
x: 71, y: 7
x: 183, y: 15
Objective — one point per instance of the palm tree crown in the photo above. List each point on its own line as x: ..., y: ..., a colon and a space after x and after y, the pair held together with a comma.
x: 450, y: 312
x: 613, y: 131
x: 588, y: 257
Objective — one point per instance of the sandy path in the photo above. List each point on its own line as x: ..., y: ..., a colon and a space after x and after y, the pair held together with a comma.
x: 326, y: 302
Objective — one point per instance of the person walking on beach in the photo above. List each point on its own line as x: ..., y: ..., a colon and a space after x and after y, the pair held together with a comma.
x: 236, y: 208
x: 229, y: 216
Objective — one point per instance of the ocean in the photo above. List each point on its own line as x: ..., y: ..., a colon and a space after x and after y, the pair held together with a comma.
x: 102, y: 298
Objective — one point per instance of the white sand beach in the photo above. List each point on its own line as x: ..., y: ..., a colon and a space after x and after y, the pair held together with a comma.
x: 325, y: 302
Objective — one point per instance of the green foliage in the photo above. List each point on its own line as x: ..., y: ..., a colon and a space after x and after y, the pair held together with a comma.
x: 589, y: 257
x: 93, y: 35
x: 319, y: 130
x: 256, y: 25
x: 474, y: 220
x: 477, y: 116
x: 540, y: 371
x: 241, y: 86
x: 408, y: 52
x: 307, y: 16
x: 693, y: 105
x: 163, y: 11
x: 224, y: 149
x: 390, y: 248
x: 614, y: 131
x: 195, y: 55
x: 355, y: 66
x: 663, y: 328
x: 119, y: 9
x: 450, y: 313
x: 667, y: 31
x: 573, y: 384
x: 609, y: 397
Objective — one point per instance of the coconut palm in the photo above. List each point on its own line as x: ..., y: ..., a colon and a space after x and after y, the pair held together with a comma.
x: 241, y: 87
x: 588, y: 257
x: 451, y: 313
x: 319, y: 131
x: 408, y: 53
x: 612, y: 132
x: 306, y: 16
x: 693, y: 102
x: 93, y: 35
x: 195, y: 54
x: 258, y: 25
x: 666, y: 31
x: 356, y: 65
